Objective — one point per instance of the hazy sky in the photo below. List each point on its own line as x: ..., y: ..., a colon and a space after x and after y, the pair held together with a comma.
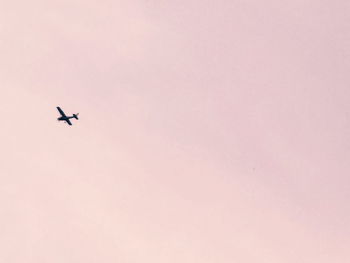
x: 209, y: 131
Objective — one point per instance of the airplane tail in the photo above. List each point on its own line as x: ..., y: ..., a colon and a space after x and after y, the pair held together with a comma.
x: 76, y: 116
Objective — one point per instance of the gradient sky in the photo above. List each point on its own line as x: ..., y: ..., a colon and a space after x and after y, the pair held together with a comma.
x: 210, y: 131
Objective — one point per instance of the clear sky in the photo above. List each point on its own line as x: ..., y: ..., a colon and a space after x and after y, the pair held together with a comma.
x: 209, y: 131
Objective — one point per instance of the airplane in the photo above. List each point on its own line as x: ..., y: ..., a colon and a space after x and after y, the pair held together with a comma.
x: 66, y: 118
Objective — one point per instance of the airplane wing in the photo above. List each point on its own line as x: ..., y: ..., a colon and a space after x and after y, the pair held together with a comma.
x: 68, y: 121
x: 61, y: 112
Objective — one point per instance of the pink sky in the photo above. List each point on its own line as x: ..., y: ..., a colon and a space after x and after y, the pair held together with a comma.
x: 210, y: 131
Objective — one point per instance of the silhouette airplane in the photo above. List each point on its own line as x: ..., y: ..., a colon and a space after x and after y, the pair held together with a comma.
x: 66, y: 118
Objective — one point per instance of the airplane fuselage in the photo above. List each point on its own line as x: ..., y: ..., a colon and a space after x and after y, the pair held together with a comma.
x: 65, y: 118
